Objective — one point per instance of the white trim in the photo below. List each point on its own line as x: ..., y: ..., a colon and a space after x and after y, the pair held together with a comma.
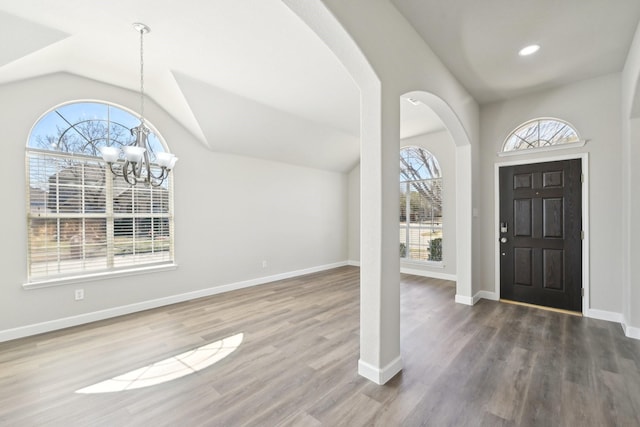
x: 461, y: 299
x: 610, y: 316
x: 377, y: 375
x: 631, y: 331
x: 578, y: 144
x: 99, y: 276
x: 492, y: 296
x: 38, y: 328
x: 584, y: 157
x: 426, y: 273
x: 408, y: 262
x: 417, y: 272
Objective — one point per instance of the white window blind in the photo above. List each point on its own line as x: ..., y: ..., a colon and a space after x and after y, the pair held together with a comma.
x: 81, y: 219
x: 420, y: 205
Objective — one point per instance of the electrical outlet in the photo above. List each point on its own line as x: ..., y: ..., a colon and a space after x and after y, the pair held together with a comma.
x: 79, y: 294
x: 264, y: 264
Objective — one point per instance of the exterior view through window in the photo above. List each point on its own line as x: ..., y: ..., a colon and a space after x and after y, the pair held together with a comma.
x: 540, y: 133
x: 81, y: 219
x: 420, y: 205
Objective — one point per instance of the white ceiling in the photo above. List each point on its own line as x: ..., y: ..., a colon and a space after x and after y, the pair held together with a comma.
x: 479, y: 40
x: 248, y: 77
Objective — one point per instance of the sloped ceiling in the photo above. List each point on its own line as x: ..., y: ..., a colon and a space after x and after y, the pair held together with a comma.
x: 234, y: 124
x: 33, y: 37
x: 245, y: 77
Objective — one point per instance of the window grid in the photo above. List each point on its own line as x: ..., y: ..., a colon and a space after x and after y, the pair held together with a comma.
x: 540, y: 133
x: 81, y: 218
x: 420, y: 205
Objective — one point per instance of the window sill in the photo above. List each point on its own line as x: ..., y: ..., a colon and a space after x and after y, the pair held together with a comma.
x: 47, y: 283
x: 415, y: 263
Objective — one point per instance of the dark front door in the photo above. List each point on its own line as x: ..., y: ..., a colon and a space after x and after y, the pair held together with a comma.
x: 541, y: 234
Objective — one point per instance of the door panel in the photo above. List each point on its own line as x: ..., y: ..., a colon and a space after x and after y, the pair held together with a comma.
x: 541, y: 220
x: 553, y: 218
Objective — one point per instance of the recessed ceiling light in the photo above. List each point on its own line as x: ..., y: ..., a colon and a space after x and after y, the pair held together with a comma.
x: 529, y: 50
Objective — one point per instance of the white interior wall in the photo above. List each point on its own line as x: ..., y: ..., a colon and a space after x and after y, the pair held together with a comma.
x: 632, y: 288
x: 631, y: 198
x: 593, y: 107
x: 231, y: 213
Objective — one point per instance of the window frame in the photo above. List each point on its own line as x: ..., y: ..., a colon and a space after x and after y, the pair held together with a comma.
x: 409, y: 183
x: 553, y: 146
x: 138, y: 262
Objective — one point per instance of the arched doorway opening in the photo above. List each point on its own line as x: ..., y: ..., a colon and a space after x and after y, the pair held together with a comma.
x: 355, y: 46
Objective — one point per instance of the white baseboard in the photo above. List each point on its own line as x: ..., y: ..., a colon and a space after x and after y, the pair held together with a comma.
x: 427, y: 273
x: 353, y: 263
x: 610, y: 316
x: 485, y: 295
x: 631, y: 331
x: 380, y: 375
x: 39, y: 328
x: 460, y: 299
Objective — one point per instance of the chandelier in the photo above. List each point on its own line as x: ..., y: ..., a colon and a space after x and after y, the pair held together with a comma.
x: 137, y: 166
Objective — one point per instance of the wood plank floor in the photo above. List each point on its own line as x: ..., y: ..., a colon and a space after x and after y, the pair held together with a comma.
x: 493, y: 364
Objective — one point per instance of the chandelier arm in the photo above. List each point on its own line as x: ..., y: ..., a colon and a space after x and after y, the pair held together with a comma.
x: 113, y: 171
x: 130, y: 178
x: 157, y: 182
x: 161, y: 176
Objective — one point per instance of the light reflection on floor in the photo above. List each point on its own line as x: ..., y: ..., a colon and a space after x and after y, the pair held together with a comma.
x: 169, y: 369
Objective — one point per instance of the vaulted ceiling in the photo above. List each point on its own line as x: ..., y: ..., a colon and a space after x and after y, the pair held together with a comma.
x: 249, y: 77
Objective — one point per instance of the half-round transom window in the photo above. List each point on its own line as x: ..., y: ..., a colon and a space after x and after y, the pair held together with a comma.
x: 84, y: 127
x: 540, y: 133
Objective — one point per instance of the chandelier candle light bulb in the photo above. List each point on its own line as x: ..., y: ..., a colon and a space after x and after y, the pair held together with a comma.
x: 110, y: 154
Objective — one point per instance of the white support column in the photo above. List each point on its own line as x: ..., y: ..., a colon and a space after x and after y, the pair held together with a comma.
x: 463, y: 225
x: 380, y: 261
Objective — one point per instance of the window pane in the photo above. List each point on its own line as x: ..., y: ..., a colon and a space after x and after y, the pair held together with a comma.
x: 66, y: 245
x: 81, y: 217
x: 420, y: 205
x: 540, y: 133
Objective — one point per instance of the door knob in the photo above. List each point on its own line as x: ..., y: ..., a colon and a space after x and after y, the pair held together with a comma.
x: 503, y: 240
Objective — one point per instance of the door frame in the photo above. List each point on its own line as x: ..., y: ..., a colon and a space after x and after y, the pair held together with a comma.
x: 584, y: 157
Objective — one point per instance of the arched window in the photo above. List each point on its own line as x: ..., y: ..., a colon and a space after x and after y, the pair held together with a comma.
x: 81, y: 218
x: 539, y: 133
x: 420, y: 205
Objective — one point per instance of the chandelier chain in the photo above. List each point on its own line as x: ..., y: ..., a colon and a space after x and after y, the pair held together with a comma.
x: 142, y: 75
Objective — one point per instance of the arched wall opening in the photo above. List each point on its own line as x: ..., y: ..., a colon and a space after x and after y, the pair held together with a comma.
x: 427, y: 207
x: 463, y: 190
x: 367, y: 62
